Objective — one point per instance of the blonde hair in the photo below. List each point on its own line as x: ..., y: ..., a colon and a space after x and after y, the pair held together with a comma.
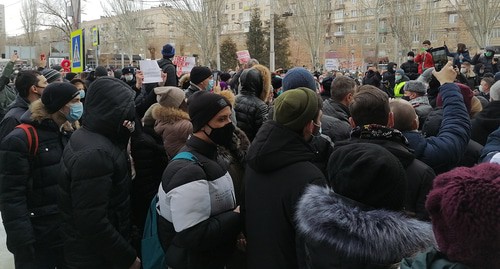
x: 476, y: 107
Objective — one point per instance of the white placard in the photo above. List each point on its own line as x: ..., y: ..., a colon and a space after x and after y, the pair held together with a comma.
x: 331, y: 64
x: 151, y: 71
x: 184, y: 64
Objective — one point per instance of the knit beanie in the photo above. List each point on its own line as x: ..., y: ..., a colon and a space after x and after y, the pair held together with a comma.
x: 101, y: 71
x: 400, y: 71
x: 58, y: 94
x: 203, y: 106
x: 464, y: 206
x: 128, y: 70
x: 168, y: 51
x: 276, y: 82
x: 369, y: 174
x: 169, y: 96
x: 295, y: 108
x: 466, y: 92
x: 415, y: 86
x: 298, y: 77
x: 199, y: 74
x: 497, y: 76
x: 51, y: 75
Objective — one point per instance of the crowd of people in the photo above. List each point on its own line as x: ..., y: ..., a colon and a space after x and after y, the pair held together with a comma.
x: 253, y: 168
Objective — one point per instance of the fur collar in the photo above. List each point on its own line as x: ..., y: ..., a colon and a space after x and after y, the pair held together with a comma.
x: 39, y: 114
x: 238, y: 149
x: 266, y: 81
x: 379, y: 236
x: 169, y: 114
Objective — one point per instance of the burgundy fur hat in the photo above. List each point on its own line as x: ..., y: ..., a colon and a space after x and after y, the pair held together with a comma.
x: 467, y: 93
x: 464, y: 206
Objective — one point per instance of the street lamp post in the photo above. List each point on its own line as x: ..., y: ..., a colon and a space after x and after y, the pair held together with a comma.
x: 271, y: 49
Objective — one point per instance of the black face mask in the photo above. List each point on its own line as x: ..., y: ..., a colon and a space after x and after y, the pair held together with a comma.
x: 407, y: 98
x: 222, y: 136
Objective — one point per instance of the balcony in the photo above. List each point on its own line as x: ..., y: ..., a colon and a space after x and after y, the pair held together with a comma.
x: 338, y: 34
x: 382, y: 30
x: 338, y: 20
x: 339, y: 6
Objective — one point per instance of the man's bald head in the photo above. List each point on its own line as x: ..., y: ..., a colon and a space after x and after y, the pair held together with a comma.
x: 405, y: 117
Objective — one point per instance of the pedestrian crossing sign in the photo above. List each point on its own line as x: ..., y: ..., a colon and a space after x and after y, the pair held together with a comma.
x: 77, y: 50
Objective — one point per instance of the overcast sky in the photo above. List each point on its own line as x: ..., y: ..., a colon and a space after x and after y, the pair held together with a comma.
x: 13, y: 24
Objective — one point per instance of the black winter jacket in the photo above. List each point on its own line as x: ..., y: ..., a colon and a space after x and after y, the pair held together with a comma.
x: 13, y: 116
x: 94, y: 193
x: 191, y: 90
x: 486, y: 121
x: 197, y: 225
x: 251, y: 111
x: 29, y: 186
x: 411, y: 69
x: 278, y: 170
x: 419, y: 175
x: 336, y: 110
x: 168, y: 67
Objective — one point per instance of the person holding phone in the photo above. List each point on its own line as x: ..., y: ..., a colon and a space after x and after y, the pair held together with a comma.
x: 424, y: 58
x: 483, y: 62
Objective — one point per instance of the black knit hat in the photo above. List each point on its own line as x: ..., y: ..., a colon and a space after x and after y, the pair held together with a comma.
x: 58, y: 94
x: 369, y: 174
x: 410, y: 53
x: 101, y: 71
x: 203, y: 106
x: 199, y: 74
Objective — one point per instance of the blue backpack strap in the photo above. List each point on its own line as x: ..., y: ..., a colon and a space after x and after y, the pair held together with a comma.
x: 185, y: 155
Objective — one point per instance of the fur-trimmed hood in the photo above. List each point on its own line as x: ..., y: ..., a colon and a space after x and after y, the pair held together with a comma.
x: 238, y: 149
x: 168, y: 114
x: 256, y: 81
x: 229, y: 96
x: 358, y: 233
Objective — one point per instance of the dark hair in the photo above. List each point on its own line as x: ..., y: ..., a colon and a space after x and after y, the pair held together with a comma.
x: 370, y: 105
x: 489, y: 80
x: 427, y: 42
x: 25, y: 80
x: 461, y: 47
x: 225, y: 77
x: 342, y: 86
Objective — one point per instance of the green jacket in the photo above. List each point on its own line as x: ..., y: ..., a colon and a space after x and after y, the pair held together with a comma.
x: 431, y: 259
x: 7, y: 93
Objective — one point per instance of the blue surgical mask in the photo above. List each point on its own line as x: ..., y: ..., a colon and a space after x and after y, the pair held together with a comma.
x: 210, y: 85
x: 75, y: 112
x: 398, y: 77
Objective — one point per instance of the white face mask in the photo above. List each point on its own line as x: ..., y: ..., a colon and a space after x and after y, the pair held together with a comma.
x: 481, y: 88
x: 410, y: 58
x: 463, y: 70
x: 129, y: 77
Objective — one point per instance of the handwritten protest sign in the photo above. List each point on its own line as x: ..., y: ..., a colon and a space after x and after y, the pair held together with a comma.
x: 184, y: 64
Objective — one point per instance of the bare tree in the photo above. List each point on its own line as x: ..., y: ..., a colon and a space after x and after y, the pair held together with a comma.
x: 309, y: 19
x: 404, y: 22
x: 374, y: 11
x: 479, y: 17
x: 29, y: 19
x: 201, y: 19
x: 128, y: 25
x: 55, y: 16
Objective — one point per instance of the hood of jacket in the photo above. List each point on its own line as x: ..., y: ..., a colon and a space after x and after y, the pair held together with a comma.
x: 358, y: 232
x: 256, y: 81
x: 275, y: 147
x: 168, y: 114
x: 108, y: 103
x: 390, y: 67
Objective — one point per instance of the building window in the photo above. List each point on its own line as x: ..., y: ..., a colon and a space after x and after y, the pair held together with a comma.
x: 383, y: 39
x: 453, y: 18
x: 368, y: 26
x: 416, y: 38
x: 240, y: 5
x: 354, y: 27
x: 227, y: 6
x: 233, y: 17
x: 340, y: 41
x: 233, y: 6
x: 354, y: 13
x: 339, y: 14
x: 416, y: 22
x: 240, y: 16
x: 433, y: 37
x: 495, y: 33
x: 340, y: 28
x: 418, y: 6
x: 354, y: 1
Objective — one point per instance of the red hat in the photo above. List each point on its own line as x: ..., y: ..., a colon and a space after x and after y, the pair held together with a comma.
x: 466, y: 93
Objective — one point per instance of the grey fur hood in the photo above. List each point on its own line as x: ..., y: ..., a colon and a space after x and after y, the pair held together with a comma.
x: 355, y: 232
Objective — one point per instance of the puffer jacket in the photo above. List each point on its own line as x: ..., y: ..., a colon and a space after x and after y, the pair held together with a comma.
x: 345, y: 234
x: 492, y: 146
x: 422, y: 108
x: 95, y: 189
x: 196, y: 224
x: 29, y: 184
x: 174, y: 126
x: 445, y: 150
x: 251, y: 110
x: 7, y: 92
x: 411, y: 69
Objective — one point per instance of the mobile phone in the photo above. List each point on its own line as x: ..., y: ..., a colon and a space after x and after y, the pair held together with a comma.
x: 215, y: 76
x: 439, y: 57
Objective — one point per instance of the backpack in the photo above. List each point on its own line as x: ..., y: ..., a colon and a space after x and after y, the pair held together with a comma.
x: 32, y: 138
x: 153, y: 255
